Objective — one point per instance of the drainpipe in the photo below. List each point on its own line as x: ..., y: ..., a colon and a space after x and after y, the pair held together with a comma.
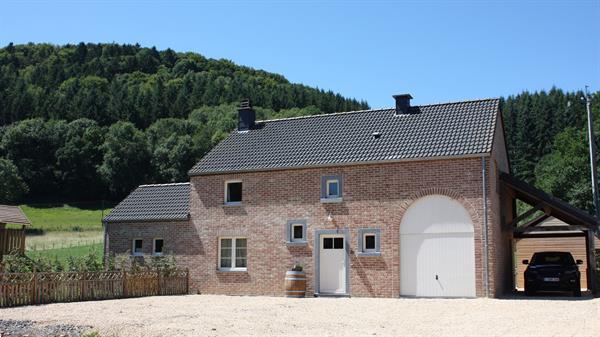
x: 485, y: 230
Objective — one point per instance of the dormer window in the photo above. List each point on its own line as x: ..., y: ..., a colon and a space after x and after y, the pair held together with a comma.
x: 233, y: 192
x: 331, y: 188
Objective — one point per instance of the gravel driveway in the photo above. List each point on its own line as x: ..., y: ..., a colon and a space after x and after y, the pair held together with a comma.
x: 213, y: 315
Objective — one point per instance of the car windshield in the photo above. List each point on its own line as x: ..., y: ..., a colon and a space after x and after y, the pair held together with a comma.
x: 540, y: 259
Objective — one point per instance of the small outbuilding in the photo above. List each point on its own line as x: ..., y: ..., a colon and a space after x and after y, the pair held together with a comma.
x: 12, y: 239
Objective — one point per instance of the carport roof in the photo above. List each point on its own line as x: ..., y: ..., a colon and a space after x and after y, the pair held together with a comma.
x: 552, y: 206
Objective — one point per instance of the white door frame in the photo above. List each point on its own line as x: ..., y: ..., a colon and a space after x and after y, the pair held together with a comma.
x: 317, y: 252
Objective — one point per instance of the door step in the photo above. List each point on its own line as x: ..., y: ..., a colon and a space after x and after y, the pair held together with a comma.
x: 332, y: 295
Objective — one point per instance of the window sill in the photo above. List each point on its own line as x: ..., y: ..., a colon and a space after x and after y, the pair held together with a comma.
x: 331, y: 200
x: 157, y: 254
x: 296, y: 243
x: 137, y: 255
x: 365, y: 254
x: 229, y: 204
x: 228, y: 271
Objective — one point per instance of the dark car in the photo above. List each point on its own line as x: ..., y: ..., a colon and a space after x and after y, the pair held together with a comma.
x: 552, y: 271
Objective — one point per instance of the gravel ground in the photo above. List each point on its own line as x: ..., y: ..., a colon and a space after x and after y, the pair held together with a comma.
x: 14, y: 328
x: 213, y: 315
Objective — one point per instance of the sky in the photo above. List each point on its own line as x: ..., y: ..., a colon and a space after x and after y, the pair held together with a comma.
x: 438, y: 51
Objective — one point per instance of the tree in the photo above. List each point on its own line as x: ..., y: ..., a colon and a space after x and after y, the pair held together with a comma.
x: 565, y: 172
x: 79, y: 158
x: 175, y: 145
x: 126, y: 160
x: 12, y: 187
x: 31, y: 145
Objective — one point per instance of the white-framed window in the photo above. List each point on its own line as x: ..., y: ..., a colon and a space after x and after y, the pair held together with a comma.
x: 158, y: 246
x: 233, y: 192
x: 296, y: 232
x: 369, y: 242
x: 137, y: 247
x: 233, y: 254
x: 331, y: 188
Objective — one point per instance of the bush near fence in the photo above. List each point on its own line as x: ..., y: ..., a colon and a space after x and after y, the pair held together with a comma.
x: 38, y: 288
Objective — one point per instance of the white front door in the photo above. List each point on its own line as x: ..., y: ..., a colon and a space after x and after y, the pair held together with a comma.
x: 332, y: 265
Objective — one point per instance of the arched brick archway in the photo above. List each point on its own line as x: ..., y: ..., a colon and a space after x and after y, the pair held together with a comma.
x: 473, y: 211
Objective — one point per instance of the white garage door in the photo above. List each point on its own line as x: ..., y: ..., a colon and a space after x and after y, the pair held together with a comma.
x: 437, y: 253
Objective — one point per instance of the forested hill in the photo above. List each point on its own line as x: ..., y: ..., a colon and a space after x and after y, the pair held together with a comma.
x: 93, y: 121
x: 546, y: 133
x: 110, y: 82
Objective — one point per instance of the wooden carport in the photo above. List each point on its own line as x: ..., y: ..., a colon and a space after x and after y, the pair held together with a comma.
x: 575, y: 219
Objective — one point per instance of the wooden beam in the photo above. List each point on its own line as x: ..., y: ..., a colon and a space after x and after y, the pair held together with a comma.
x: 590, y: 245
x: 526, y: 214
x: 550, y: 229
x: 535, y: 221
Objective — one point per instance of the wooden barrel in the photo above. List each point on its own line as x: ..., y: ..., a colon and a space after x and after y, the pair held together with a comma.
x: 295, y: 284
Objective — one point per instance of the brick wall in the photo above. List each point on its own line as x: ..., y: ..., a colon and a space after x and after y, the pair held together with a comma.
x: 180, y: 240
x: 374, y: 196
x: 499, y: 214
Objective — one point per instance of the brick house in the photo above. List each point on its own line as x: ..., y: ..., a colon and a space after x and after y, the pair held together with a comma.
x: 393, y: 202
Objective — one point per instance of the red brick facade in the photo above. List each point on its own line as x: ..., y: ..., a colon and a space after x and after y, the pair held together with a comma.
x: 374, y: 196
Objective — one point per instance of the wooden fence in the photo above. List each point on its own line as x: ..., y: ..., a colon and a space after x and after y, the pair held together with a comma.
x: 38, y: 288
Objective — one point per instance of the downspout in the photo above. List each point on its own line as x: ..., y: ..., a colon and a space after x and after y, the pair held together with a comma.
x: 485, y: 230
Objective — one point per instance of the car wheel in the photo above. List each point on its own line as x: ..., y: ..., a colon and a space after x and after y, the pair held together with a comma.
x: 529, y: 291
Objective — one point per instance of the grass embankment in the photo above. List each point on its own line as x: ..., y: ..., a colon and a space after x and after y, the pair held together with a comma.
x: 62, y: 254
x: 62, y: 230
x: 65, y: 217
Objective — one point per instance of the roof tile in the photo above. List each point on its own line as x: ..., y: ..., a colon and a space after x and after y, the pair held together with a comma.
x: 449, y: 129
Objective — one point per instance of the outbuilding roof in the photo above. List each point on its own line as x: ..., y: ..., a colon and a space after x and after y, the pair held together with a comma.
x: 428, y: 131
x: 157, y: 202
x: 13, y: 215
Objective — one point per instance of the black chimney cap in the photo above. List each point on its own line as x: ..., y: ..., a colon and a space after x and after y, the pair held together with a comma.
x: 402, y: 103
x: 246, y: 116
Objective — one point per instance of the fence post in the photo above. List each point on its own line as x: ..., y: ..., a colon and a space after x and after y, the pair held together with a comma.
x: 33, y: 290
x: 124, y: 283
x: 158, y: 280
x: 187, y: 280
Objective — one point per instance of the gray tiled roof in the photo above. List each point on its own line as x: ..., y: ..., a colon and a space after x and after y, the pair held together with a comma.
x: 438, y: 130
x: 160, y: 202
x: 13, y: 215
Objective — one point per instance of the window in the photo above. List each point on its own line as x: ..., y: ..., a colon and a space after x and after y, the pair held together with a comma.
x: 331, y: 188
x: 157, y: 247
x: 296, y: 232
x: 232, y: 254
x: 233, y: 192
x: 333, y: 243
x: 137, y: 247
x: 369, y: 242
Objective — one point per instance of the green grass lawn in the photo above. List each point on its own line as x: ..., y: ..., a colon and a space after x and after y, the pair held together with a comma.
x: 63, y: 253
x: 65, y: 217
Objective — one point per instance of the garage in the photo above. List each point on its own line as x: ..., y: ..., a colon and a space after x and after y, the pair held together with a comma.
x: 550, y: 240
x: 437, y: 253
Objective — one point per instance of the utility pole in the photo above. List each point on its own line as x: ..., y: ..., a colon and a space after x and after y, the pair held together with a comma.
x: 592, y: 153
